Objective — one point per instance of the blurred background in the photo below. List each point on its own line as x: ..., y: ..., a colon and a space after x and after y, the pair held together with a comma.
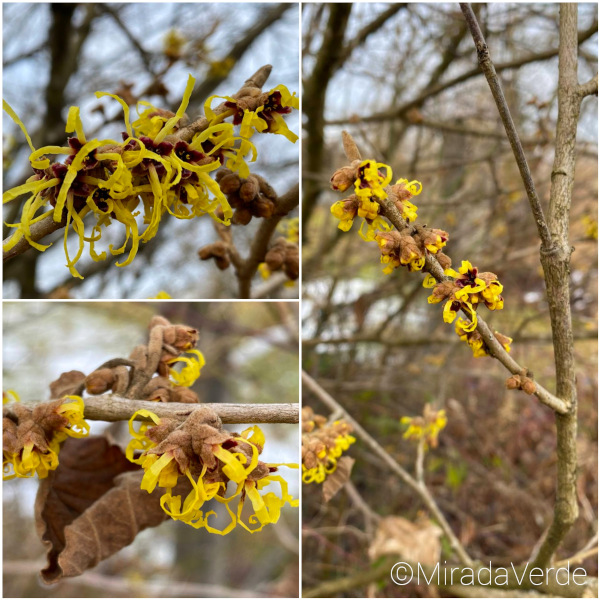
x: 72, y: 50
x: 403, y: 79
x: 239, y: 340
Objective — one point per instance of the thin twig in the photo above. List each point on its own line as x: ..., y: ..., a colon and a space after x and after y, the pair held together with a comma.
x: 487, y: 66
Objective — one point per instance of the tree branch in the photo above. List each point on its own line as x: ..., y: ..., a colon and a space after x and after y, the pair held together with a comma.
x: 557, y: 276
x: 260, y: 244
x: 270, y: 16
x: 399, y: 111
x: 111, y: 407
x: 487, y: 66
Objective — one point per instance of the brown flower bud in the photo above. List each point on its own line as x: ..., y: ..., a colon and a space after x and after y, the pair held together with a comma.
x: 99, y: 381
x: 444, y: 290
x: 249, y: 189
x: 276, y: 255
x: 242, y: 216
x: 343, y: 178
x: 528, y: 386
x: 263, y: 207
x: 218, y: 251
x: 185, y: 395
x: 292, y: 262
x: 229, y: 183
x: 444, y: 260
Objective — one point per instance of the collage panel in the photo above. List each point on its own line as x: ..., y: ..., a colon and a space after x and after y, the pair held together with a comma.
x: 148, y: 451
x: 151, y: 150
x: 453, y: 427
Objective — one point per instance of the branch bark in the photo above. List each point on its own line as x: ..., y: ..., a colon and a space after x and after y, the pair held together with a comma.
x: 111, y: 407
x: 556, y: 274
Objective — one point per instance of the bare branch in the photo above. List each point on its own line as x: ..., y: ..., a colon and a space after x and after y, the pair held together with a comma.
x: 557, y: 276
x: 111, y: 407
x: 589, y: 88
x: 487, y: 66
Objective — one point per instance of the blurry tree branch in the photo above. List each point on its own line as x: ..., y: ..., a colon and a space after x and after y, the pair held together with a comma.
x: 125, y: 587
x: 516, y: 583
x: 399, y: 111
x: 145, y: 56
x: 313, y: 100
x: 213, y: 79
x: 419, y: 487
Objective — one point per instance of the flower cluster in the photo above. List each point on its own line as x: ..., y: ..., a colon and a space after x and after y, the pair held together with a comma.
x: 322, y: 445
x: 31, y: 441
x: 410, y: 247
x: 150, y: 173
x: 464, y: 330
x: 210, y: 458
x: 250, y: 196
x: 427, y: 427
x: 281, y: 256
x: 370, y: 179
x: 465, y: 291
x: 398, y: 248
x: 254, y: 111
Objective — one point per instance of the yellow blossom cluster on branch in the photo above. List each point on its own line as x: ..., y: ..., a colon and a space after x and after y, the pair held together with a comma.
x: 322, y: 445
x: 31, y: 441
x: 409, y: 246
x: 149, y: 174
x: 426, y: 427
x: 219, y: 465
x: 465, y: 291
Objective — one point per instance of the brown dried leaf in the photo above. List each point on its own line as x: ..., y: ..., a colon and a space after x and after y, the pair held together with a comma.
x: 414, y: 542
x: 68, y: 384
x: 86, y: 473
x: 333, y: 483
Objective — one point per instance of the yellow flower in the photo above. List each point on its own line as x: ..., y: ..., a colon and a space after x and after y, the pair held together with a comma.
x: 162, y: 295
x: 427, y: 427
x: 41, y: 457
x: 10, y: 396
x: 370, y: 182
x: 190, y: 372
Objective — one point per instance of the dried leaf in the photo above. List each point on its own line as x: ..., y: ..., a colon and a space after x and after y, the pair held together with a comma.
x: 333, y: 482
x: 70, y: 383
x: 414, y: 542
x: 86, y: 473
